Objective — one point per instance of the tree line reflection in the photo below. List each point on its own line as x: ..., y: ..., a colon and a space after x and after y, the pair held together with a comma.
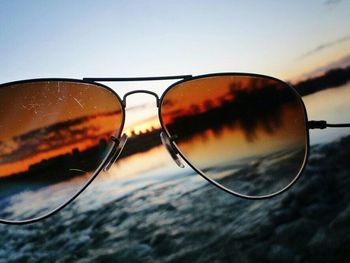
x: 55, y: 136
x: 259, y: 106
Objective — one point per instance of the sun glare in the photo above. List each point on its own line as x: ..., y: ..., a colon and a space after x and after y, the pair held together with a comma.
x: 143, y: 127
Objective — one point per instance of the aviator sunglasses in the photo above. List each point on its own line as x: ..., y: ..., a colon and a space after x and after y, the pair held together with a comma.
x: 247, y: 134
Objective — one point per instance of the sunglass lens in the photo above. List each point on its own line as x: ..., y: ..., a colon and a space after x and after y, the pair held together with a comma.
x: 53, y: 136
x: 245, y: 133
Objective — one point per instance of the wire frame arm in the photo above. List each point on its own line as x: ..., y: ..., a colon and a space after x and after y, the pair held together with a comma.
x: 324, y: 125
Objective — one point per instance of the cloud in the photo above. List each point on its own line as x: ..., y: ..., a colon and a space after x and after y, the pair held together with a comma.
x: 139, y: 107
x: 332, y: 2
x: 340, y: 63
x: 325, y: 46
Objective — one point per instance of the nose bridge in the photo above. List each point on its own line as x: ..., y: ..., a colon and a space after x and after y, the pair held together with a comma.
x: 141, y: 91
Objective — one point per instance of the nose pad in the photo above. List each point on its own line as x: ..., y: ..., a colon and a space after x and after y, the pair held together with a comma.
x: 171, y: 149
x: 118, y: 145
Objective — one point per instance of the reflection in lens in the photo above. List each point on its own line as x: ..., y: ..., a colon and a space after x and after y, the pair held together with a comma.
x: 53, y: 136
x: 247, y: 133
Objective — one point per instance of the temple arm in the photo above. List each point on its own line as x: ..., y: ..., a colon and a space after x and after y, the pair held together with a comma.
x: 324, y: 125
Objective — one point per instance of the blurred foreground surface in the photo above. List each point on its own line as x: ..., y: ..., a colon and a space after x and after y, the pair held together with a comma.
x: 181, y: 218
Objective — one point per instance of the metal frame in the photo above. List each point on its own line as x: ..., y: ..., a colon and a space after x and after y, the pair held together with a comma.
x: 307, y: 139
x: 96, y: 172
x: 183, y: 78
x: 323, y: 125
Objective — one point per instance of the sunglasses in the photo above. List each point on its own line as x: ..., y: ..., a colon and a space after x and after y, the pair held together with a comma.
x: 247, y: 134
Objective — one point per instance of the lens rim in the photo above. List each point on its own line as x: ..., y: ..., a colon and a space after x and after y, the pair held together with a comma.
x: 239, y: 74
x: 98, y: 169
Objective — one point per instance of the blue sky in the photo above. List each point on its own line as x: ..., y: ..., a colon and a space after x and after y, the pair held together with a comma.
x: 147, y: 38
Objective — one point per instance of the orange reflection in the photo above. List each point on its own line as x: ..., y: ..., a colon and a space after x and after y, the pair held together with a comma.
x: 224, y: 123
x: 96, y: 129
x: 29, y: 106
x: 201, y: 95
x: 23, y: 165
x: 230, y: 144
x: 47, y: 119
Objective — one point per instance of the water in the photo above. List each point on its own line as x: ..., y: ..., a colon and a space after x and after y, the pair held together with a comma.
x: 333, y: 106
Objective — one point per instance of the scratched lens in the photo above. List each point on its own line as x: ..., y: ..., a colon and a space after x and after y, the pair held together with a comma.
x: 247, y: 134
x: 54, y: 135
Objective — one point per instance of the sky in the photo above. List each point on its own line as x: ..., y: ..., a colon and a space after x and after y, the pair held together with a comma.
x: 76, y: 39
x: 137, y: 38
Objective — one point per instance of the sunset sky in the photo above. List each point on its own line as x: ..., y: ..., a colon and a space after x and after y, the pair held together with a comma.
x: 76, y: 39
